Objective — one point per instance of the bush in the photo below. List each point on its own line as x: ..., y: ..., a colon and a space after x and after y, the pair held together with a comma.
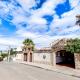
x: 3, y: 55
x: 1, y: 59
x: 73, y: 45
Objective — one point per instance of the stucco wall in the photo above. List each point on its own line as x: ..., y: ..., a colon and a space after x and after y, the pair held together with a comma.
x: 77, y: 60
x: 19, y: 57
x: 42, y: 58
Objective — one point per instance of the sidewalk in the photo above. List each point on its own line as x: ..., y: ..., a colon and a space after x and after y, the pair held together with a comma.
x: 58, y: 69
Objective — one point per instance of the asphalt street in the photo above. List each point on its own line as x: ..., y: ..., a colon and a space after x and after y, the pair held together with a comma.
x: 16, y: 71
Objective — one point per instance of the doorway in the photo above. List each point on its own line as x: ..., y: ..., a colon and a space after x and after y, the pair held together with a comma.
x: 25, y: 56
x: 30, y: 57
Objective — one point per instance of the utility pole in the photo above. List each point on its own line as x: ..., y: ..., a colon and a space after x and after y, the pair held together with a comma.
x: 9, y: 53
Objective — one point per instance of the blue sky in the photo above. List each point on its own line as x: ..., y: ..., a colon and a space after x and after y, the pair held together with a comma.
x: 41, y: 20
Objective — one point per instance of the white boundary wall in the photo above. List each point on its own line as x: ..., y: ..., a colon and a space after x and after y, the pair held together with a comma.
x: 44, y: 58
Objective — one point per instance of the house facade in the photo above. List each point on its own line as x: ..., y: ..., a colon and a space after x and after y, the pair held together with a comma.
x: 55, y: 55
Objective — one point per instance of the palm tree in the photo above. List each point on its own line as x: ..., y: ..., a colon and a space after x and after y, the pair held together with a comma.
x: 28, y: 44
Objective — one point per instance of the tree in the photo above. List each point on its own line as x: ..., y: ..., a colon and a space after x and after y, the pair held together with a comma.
x: 12, y: 51
x: 29, y: 44
x: 73, y: 45
x: 3, y: 55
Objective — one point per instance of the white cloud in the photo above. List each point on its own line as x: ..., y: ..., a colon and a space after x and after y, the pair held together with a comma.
x: 6, y: 42
x: 18, y: 19
x: 26, y: 4
x: 42, y: 40
x: 68, y: 19
x: 62, y: 23
x: 9, y: 41
x: 74, y: 3
x: 73, y: 12
x: 47, y: 8
x: 71, y: 30
x: 39, y: 40
x: 25, y: 34
x: 37, y: 20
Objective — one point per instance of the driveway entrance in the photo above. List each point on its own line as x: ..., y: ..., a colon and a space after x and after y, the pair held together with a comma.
x: 64, y: 58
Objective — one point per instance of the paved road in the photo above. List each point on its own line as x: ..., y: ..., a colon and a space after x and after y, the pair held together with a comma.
x: 15, y: 71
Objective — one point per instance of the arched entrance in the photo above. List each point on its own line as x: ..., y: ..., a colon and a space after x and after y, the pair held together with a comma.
x: 25, y: 56
x: 64, y: 58
x: 30, y: 57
